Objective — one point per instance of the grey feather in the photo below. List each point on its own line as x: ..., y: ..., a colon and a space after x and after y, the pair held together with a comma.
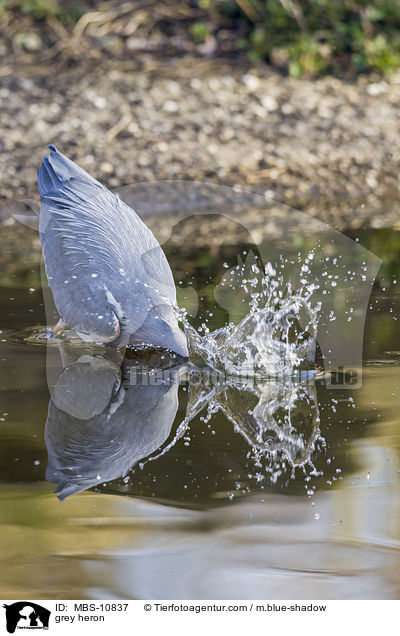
x: 108, y: 274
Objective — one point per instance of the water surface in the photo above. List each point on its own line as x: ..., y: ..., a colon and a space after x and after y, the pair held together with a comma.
x: 228, y: 510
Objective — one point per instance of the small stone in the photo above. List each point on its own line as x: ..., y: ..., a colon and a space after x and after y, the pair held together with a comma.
x: 170, y: 106
x: 270, y: 104
x: 251, y: 81
x: 30, y: 41
x: 106, y: 167
x: 378, y: 88
x: 99, y: 102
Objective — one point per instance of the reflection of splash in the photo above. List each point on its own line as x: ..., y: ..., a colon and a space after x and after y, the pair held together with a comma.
x: 278, y: 334
x: 280, y: 421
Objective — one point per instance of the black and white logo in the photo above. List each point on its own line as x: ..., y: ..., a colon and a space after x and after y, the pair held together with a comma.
x: 26, y: 615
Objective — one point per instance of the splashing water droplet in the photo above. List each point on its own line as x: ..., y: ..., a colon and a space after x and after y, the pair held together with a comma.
x: 276, y: 337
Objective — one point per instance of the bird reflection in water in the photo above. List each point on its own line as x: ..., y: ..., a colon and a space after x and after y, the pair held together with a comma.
x: 106, y: 416
x: 99, y: 426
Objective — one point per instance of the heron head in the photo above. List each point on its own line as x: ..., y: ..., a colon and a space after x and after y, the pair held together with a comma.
x: 161, y: 328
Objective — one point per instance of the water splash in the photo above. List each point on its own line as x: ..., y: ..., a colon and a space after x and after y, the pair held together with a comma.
x: 275, y: 338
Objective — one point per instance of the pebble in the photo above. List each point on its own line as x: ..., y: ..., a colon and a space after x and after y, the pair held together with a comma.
x: 299, y: 139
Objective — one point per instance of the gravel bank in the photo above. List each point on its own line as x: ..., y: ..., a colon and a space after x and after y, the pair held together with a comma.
x: 296, y: 140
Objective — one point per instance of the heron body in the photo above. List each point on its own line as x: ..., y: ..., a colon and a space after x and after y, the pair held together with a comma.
x: 109, y: 277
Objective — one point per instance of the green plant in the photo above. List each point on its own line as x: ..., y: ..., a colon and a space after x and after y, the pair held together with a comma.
x: 318, y: 35
x: 199, y: 31
x: 38, y: 9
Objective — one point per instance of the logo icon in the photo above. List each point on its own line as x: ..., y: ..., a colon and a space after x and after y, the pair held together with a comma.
x: 26, y: 615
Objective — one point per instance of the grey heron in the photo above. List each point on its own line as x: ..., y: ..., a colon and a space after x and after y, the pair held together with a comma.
x: 110, y: 279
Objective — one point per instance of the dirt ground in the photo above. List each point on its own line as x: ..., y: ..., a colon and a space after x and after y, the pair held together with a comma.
x: 186, y: 118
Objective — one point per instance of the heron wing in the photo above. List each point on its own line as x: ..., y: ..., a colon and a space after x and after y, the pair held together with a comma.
x: 98, y: 253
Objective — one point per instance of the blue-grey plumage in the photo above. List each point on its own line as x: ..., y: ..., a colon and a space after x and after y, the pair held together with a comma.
x: 95, y: 434
x: 109, y: 277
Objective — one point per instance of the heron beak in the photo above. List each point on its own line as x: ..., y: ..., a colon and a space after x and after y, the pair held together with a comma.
x: 182, y: 349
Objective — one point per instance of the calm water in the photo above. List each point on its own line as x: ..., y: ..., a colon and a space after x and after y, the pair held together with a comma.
x: 216, y: 515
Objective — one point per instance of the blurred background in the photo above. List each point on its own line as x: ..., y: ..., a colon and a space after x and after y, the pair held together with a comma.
x: 295, y: 98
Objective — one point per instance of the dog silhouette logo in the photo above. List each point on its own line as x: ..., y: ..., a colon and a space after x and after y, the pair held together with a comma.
x: 26, y: 615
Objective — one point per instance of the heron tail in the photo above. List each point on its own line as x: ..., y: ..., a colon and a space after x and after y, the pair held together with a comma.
x: 57, y: 169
